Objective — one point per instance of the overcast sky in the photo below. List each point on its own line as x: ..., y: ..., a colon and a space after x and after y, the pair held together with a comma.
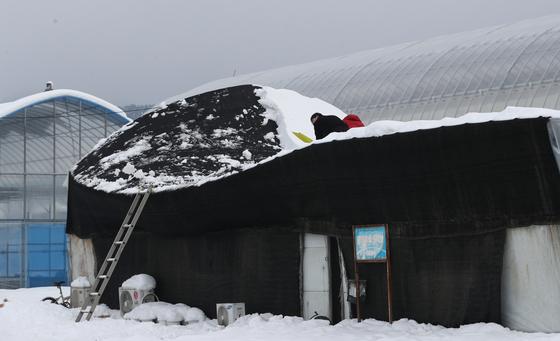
x: 143, y: 51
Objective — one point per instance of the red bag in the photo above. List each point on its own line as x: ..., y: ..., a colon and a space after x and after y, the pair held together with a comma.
x: 353, y: 121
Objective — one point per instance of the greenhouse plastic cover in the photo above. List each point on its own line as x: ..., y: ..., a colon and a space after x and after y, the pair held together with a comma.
x: 11, y: 107
x: 531, y: 274
x: 483, y: 70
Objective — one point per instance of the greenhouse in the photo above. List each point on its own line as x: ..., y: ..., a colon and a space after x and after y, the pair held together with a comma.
x: 41, y: 137
x: 241, y: 213
x: 477, y: 71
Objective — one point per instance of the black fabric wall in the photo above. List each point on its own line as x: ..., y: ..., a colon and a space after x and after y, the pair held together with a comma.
x: 449, y: 280
x: 258, y: 267
x: 447, y: 195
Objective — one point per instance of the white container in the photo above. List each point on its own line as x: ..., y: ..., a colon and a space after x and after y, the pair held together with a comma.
x: 79, y: 296
x: 227, y: 313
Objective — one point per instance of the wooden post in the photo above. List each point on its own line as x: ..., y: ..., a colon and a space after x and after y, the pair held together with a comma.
x: 389, y: 281
x: 357, y: 286
x: 356, y: 279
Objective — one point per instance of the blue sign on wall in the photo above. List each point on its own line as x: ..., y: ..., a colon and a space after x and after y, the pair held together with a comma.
x: 370, y: 243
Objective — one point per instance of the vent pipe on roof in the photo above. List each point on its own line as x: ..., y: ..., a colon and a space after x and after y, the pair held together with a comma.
x: 49, y: 86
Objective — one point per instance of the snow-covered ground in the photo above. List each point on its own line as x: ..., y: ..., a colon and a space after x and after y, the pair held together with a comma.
x: 25, y: 317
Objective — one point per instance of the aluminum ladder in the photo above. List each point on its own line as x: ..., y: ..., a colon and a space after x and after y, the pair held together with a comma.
x: 114, y: 254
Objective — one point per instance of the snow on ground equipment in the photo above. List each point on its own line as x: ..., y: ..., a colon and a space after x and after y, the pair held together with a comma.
x: 227, y: 313
x: 114, y: 254
x: 79, y: 292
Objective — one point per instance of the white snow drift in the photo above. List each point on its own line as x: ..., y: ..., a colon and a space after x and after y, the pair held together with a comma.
x: 167, y: 313
x: 24, y: 317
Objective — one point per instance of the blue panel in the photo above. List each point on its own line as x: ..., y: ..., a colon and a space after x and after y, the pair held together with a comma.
x: 10, y: 250
x: 14, y: 261
x: 46, y: 254
x: 58, y: 235
x: 3, y: 262
x: 58, y: 260
x: 40, y: 279
x: 38, y: 257
x: 37, y: 234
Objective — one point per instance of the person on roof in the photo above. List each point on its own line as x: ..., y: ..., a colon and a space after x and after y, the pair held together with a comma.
x: 326, y: 124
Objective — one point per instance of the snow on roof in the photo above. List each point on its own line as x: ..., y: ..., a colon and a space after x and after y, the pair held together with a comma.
x: 382, y: 128
x: 11, y: 107
x: 140, y: 282
x: 292, y: 112
x: 210, y: 136
x: 185, y: 143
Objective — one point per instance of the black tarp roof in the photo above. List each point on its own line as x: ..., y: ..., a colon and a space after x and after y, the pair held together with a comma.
x: 476, y: 173
x: 183, y: 143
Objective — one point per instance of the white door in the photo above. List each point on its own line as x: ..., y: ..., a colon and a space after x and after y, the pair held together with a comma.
x: 316, y: 276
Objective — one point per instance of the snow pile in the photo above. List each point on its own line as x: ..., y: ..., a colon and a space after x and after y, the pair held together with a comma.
x: 140, y: 282
x: 167, y: 313
x: 102, y: 311
x: 292, y: 112
x: 278, y: 327
x: 378, y: 128
x: 382, y: 128
x: 54, y: 322
x: 80, y: 282
x: 24, y: 317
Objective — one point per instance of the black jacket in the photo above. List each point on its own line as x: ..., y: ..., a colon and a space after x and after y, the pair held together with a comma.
x: 328, y: 124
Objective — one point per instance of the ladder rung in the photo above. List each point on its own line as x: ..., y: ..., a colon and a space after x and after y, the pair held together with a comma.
x: 85, y: 311
x: 127, y: 225
x: 94, y: 294
x: 111, y: 259
x: 120, y: 242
